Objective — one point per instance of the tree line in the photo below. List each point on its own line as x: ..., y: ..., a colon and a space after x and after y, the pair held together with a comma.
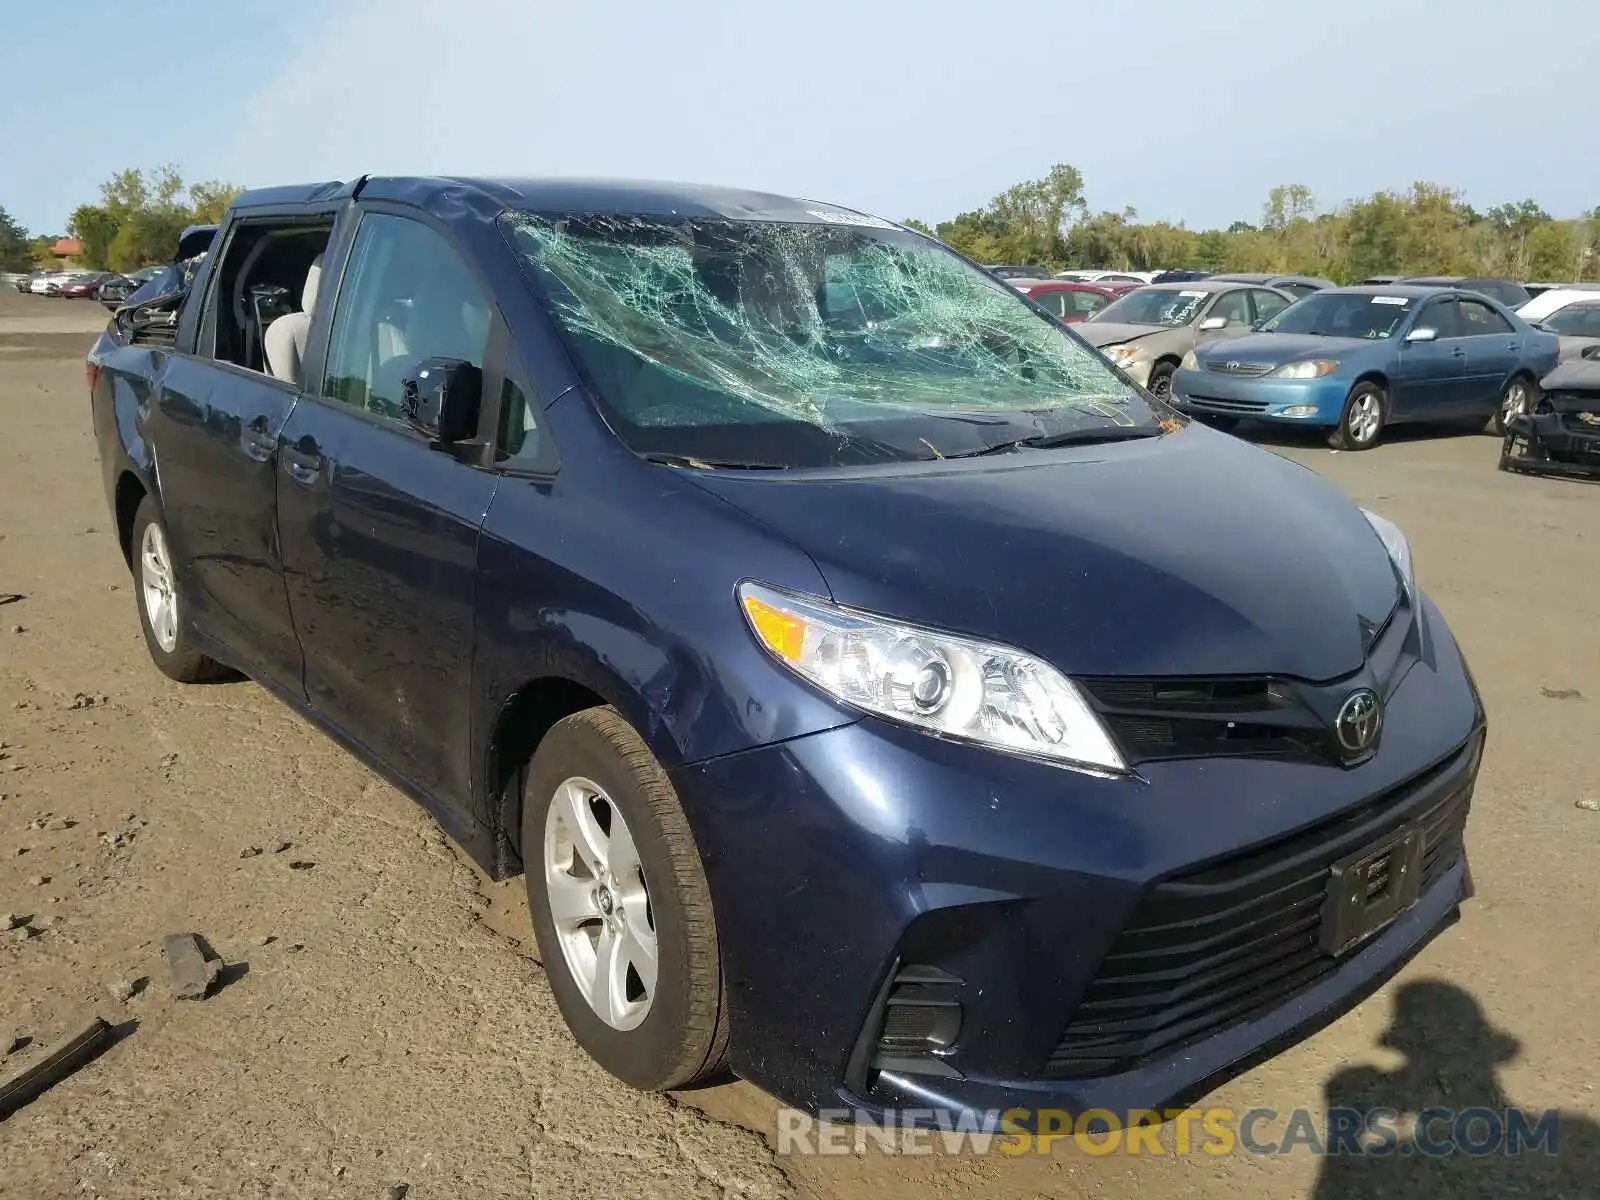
x: 1424, y: 230
x: 135, y: 224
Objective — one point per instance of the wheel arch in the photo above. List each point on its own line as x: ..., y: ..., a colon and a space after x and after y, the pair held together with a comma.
x: 130, y: 493
x: 519, y: 724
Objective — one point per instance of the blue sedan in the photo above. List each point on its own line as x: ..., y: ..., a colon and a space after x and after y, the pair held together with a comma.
x: 1352, y: 360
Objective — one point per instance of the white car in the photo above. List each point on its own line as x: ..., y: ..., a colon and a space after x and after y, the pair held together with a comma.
x: 1545, y: 303
x: 1107, y: 276
x: 41, y: 283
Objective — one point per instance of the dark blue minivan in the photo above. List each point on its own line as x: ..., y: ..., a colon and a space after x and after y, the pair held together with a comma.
x: 882, y: 696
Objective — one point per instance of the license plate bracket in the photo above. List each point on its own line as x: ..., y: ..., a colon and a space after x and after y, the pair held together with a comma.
x: 1370, y: 888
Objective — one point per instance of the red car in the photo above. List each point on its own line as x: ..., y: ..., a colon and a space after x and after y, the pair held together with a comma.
x: 85, y: 286
x: 1069, y: 300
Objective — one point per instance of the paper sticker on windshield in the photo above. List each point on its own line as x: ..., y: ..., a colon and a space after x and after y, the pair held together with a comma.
x: 1402, y: 301
x: 1194, y: 295
x: 835, y: 216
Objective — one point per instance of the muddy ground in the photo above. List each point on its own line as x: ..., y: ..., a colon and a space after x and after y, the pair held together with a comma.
x: 383, y: 1028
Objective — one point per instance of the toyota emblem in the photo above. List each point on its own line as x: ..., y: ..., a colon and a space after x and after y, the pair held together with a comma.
x: 1233, y: 366
x: 1359, y: 721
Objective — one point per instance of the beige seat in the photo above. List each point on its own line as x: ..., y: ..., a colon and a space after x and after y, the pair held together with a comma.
x: 285, y: 339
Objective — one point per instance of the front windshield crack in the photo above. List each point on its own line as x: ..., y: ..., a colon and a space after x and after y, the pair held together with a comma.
x: 700, y: 334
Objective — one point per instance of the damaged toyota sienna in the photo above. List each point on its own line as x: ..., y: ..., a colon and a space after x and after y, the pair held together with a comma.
x: 883, y: 698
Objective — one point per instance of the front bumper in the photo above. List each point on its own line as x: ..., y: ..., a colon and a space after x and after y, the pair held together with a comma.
x: 843, y: 860
x: 1260, y: 398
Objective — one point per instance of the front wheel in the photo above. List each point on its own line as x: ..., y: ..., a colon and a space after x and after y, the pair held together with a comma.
x: 1518, y: 397
x: 1160, y: 382
x: 1361, y: 420
x: 621, y: 908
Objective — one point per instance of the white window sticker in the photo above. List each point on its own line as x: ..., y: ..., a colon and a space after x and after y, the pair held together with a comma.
x: 1195, y: 295
x: 838, y: 217
x: 1400, y: 300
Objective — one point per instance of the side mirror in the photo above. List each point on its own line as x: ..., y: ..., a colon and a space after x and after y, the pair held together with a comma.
x: 440, y: 399
x: 1422, y: 335
x: 1211, y: 323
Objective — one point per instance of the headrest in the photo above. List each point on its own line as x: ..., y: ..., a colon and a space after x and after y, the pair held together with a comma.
x: 308, y: 294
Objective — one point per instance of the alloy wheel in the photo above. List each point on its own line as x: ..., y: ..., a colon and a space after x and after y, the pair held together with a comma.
x: 1514, y: 402
x: 157, y: 587
x: 1366, y: 417
x: 599, y: 904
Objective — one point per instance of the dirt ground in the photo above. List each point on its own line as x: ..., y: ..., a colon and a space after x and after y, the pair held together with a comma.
x: 384, y: 1030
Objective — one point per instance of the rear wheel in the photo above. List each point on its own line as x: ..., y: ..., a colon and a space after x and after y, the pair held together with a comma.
x: 621, y: 908
x: 1519, y: 397
x: 1361, y: 421
x: 161, y: 611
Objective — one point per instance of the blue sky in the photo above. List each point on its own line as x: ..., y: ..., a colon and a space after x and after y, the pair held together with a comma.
x: 1187, y: 111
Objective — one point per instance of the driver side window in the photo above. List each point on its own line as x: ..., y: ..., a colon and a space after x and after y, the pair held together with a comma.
x: 407, y: 296
x: 1441, y: 317
x: 1232, y: 307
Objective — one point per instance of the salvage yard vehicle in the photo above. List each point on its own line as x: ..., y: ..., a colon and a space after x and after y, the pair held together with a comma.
x: 1355, y: 360
x: 1148, y: 331
x: 1560, y: 434
x: 1295, y: 285
x: 870, y: 682
x: 1068, y: 299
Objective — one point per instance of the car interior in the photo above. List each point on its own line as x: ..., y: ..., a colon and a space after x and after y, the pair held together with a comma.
x: 267, y: 288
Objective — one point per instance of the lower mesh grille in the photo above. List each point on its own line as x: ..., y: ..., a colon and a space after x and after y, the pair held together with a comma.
x: 1221, y: 945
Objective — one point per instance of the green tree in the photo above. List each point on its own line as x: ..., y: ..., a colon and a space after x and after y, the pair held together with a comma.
x: 15, y: 253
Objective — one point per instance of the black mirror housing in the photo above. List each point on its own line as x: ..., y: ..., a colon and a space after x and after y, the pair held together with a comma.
x: 441, y: 399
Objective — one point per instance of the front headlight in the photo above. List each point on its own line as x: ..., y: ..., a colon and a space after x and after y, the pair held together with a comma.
x: 1121, y: 356
x: 1190, y: 362
x: 1311, y: 368
x: 1399, y: 549
x: 942, y: 684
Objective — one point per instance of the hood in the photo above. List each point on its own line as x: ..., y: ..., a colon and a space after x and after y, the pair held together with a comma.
x: 1188, y: 554
x: 1284, y: 347
x: 1112, y: 333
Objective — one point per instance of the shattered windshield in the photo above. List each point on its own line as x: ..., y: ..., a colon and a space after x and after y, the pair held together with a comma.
x: 762, y: 343
x: 1152, y: 306
x: 1342, y: 314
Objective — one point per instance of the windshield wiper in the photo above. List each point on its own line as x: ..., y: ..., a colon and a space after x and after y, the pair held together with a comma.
x: 1068, y: 437
x: 694, y: 462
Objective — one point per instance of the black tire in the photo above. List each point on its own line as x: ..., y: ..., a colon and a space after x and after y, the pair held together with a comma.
x: 1160, y: 383
x: 683, y: 1037
x: 182, y: 661
x: 1520, y: 395
x: 1347, y: 434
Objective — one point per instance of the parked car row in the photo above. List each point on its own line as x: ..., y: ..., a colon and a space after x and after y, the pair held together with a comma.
x: 83, y: 285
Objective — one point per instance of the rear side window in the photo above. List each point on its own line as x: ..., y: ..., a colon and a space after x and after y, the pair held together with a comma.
x: 1478, y: 319
x: 407, y: 296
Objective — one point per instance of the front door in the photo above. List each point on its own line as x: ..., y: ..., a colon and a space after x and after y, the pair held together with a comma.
x: 1431, y: 374
x: 380, y: 532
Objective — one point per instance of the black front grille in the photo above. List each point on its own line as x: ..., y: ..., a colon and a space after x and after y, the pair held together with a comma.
x: 1220, y: 945
x: 1239, y: 368
x: 1196, y: 718
x: 1218, y: 404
